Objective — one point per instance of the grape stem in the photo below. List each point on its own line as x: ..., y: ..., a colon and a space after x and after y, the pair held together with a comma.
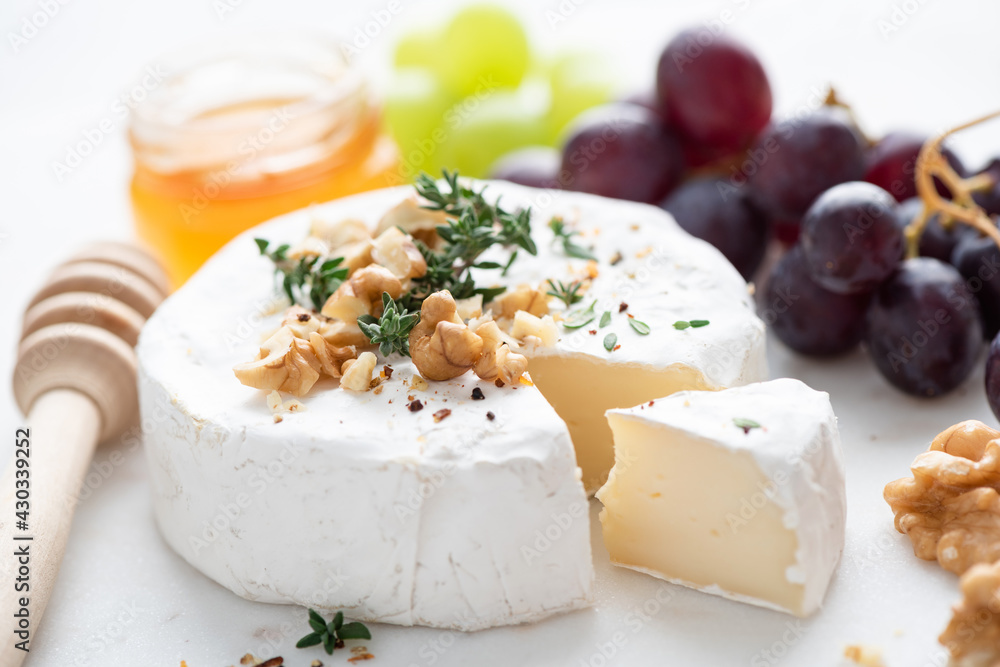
x: 961, y: 208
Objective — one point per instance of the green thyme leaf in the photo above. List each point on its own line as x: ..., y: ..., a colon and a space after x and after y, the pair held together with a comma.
x: 699, y: 323
x: 640, y: 328
x: 580, y: 318
x: 695, y: 324
x: 309, y: 640
x: 610, y: 341
x: 565, y: 236
x: 605, y: 319
x: 681, y: 325
x: 745, y: 424
x: 354, y: 630
x: 568, y: 294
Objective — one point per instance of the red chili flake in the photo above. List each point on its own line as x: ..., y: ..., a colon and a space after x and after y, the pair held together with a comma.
x: 441, y: 415
x: 593, y: 332
x: 415, y: 406
x: 387, y: 369
x: 651, y: 403
x: 499, y: 382
x: 477, y: 394
x: 490, y: 416
x: 622, y: 307
x: 631, y: 316
x: 616, y: 348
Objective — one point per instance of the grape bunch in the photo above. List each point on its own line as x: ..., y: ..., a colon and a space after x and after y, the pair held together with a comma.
x: 875, y: 262
x: 704, y: 146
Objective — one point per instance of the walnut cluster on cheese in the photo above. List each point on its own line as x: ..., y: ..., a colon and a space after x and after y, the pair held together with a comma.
x: 451, y: 338
x: 950, y: 508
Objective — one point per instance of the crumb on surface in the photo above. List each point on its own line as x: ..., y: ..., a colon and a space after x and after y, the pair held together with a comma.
x: 867, y: 656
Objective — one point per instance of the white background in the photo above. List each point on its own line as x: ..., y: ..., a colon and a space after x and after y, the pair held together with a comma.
x: 124, y: 599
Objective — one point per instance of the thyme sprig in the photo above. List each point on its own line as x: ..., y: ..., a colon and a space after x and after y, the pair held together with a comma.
x: 564, y: 235
x: 473, y: 227
x: 332, y: 635
x: 568, y: 294
x: 307, y: 277
x: 391, y: 331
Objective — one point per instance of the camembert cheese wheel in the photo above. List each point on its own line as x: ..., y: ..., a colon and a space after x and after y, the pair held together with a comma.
x: 422, y: 503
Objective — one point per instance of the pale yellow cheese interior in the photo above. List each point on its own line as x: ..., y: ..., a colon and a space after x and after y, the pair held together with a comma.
x: 686, y: 509
x: 581, y: 389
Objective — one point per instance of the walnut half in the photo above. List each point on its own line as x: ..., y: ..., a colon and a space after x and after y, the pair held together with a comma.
x: 973, y: 635
x: 950, y: 508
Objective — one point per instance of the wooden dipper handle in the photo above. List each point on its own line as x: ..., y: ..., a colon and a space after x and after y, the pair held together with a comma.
x: 75, y: 379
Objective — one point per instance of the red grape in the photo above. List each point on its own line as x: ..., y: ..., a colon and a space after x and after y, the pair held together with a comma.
x: 713, y: 90
x: 892, y: 162
x: 623, y: 151
x: 993, y: 377
x: 715, y: 211
x: 796, y: 160
x: 806, y: 317
x: 989, y: 198
x: 977, y: 258
x: 936, y: 241
x: 924, y: 332
x: 534, y: 166
x: 852, y: 238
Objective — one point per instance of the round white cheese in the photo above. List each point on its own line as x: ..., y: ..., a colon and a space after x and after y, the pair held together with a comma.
x: 468, y: 513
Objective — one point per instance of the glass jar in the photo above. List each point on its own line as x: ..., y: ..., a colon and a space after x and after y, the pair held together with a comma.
x: 240, y: 132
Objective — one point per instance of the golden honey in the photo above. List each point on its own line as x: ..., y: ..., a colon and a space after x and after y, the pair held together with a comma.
x: 241, y: 133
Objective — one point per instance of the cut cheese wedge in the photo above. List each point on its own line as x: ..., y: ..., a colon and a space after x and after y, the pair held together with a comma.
x: 470, y: 512
x: 738, y: 493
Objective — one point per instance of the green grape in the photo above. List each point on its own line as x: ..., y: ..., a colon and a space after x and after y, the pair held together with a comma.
x: 418, y: 48
x: 579, y: 81
x: 481, y: 129
x: 483, y: 47
x: 415, y: 108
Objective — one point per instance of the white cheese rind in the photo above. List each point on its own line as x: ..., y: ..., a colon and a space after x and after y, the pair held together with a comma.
x: 357, y: 503
x: 798, y: 450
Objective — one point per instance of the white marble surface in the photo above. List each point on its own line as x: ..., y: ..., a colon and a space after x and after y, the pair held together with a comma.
x: 124, y: 599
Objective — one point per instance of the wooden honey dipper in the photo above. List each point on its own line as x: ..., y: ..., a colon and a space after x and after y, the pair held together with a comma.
x: 75, y: 380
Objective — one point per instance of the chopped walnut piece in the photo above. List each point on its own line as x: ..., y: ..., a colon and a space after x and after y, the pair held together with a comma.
x: 441, y: 345
x: 360, y: 295
x: 300, y: 321
x: 284, y: 363
x: 497, y: 360
x: 348, y: 238
x: 358, y: 372
x: 441, y: 415
x: 530, y: 329
x: 950, y: 508
x: 331, y: 357
x: 973, y: 634
x: 415, y: 220
x: 470, y: 308
x: 396, y: 251
x: 525, y: 297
